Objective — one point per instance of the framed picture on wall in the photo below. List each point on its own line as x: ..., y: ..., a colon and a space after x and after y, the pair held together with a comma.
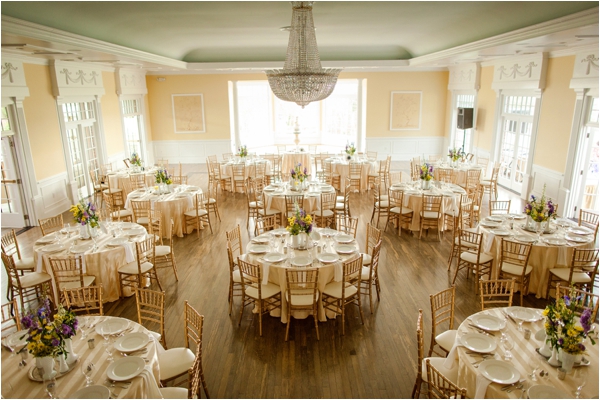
x: 188, y: 113
x: 405, y: 110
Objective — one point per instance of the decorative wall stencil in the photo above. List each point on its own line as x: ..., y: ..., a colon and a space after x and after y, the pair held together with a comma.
x: 188, y: 113
x: 13, y: 79
x: 592, y: 62
x: 464, y: 77
x: 516, y: 70
x: 585, y: 72
x: 405, y: 112
x: 521, y: 73
x: 7, y: 72
x: 131, y: 81
x: 75, y: 79
x: 79, y: 76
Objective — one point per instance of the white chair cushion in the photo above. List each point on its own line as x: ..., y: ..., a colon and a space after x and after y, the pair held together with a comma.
x: 438, y: 363
x: 236, y: 276
x: 34, y: 279
x: 174, y: 393
x: 334, y: 289
x: 365, y: 274
x: 514, y: 269
x: 195, y: 213
x: 326, y: 213
x: 405, y: 210
x: 472, y: 258
x: 268, y: 212
x: 339, y: 206
x: 24, y: 263
x: 109, y: 191
x: 301, y: 299
x: 132, y: 268
x: 366, y: 259
x: 143, y: 220
x: 446, y: 339
x: 253, y: 204
x: 429, y: 214
x: 339, y: 199
x: 563, y: 274
x: 174, y: 362
x: 268, y: 290
x: 121, y: 213
x: 162, y: 251
x: 380, y: 204
x: 464, y: 244
x: 87, y: 281
x: 383, y: 197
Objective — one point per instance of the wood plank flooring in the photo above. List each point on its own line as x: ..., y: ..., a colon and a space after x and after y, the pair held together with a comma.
x: 374, y: 360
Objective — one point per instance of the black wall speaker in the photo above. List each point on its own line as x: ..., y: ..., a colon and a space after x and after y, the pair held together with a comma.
x: 465, y: 118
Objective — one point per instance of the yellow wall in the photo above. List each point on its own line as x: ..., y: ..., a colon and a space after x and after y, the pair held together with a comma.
x: 111, y: 116
x: 556, y: 115
x: 42, y: 123
x: 214, y: 88
x: 486, y: 106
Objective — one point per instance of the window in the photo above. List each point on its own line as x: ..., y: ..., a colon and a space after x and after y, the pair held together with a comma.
x: 463, y: 137
x: 264, y: 120
x: 133, y: 128
x: 589, y: 182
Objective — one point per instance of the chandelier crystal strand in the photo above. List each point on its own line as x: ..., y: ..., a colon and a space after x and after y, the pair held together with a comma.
x: 302, y: 80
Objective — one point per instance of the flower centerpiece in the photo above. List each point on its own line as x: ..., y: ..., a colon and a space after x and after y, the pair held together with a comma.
x: 426, y: 175
x: 562, y: 330
x: 299, y: 226
x: 163, y: 179
x: 84, y: 213
x: 243, y: 152
x: 44, y: 341
x: 539, y: 210
x: 66, y: 324
x: 135, y: 160
x: 350, y: 150
x: 298, y: 175
x: 455, y: 154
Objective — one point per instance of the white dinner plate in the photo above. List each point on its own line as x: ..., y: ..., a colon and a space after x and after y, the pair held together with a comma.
x: 478, y: 342
x: 327, y: 258
x: 81, y: 248
x: 128, y: 225
x: 91, y: 392
x: 546, y: 392
x: 343, y: 238
x: 192, y: 189
x: 182, y: 195
x: 135, y: 232
x: 14, y: 340
x: 47, y: 239
x: 269, y: 189
x: 274, y: 257
x: 500, y: 232
x: 518, y: 216
x: 258, y: 248
x: 556, y: 241
x: 489, y: 224
x: 279, y: 232
x: 524, y: 314
x: 499, y: 371
x: 117, y: 241
x: 260, y: 240
x: 580, y: 230
x: 577, y: 239
x: 53, y: 248
x: 525, y: 238
x: 488, y: 322
x: 494, y: 219
x: 134, y: 195
x: 328, y: 232
x: 300, y: 261
x: 132, y: 342
x: 125, y: 368
x: 344, y: 249
x: 112, y: 326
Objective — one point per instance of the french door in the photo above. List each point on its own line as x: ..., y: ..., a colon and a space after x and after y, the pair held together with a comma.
x: 588, y: 182
x: 515, y: 142
x: 13, y: 211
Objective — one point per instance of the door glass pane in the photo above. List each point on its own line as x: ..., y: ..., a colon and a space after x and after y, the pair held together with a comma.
x: 77, y: 161
x: 132, y: 119
x: 507, y: 148
x: 523, y: 151
x: 593, y: 172
x: 8, y: 176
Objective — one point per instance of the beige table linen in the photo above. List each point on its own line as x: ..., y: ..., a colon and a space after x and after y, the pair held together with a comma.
x: 542, y: 258
x: 343, y: 169
x: 523, y: 350
x: 459, y: 172
x: 141, y: 386
x: 290, y: 159
x: 116, y: 178
x: 276, y: 200
x: 413, y: 198
x: 172, y: 206
x: 227, y: 168
x: 103, y: 263
x: 327, y: 273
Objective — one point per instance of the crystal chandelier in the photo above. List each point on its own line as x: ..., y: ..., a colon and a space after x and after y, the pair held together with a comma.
x: 302, y: 80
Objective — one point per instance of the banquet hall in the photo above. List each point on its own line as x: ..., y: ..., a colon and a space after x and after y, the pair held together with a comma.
x: 175, y: 127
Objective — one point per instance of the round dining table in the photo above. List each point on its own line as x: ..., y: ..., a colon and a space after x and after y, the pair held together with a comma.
x: 250, y: 172
x: 553, y: 250
x: 342, y: 167
x: 116, y: 178
x: 172, y: 206
x: 330, y: 246
x: 460, y: 171
x: 23, y: 382
x: 413, y: 198
x: 473, y: 374
x: 276, y: 192
x: 290, y: 159
x: 102, y: 259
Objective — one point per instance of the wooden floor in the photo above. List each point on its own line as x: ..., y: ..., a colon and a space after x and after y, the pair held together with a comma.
x: 374, y: 360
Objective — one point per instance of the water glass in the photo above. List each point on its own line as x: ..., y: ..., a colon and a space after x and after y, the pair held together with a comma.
x: 580, y: 377
x: 508, y: 346
x: 50, y: 386
x: 534, y: 364
x: 87, y: 368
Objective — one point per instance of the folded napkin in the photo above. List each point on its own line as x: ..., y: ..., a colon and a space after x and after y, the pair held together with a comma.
x: 128, y: 246
x: 562, y: 256
x: 488, y: 242
x: 149, y: 384
x: 337, y: 271
x: 265, y: 271
x: 481, y: 385
x: 452, y: 356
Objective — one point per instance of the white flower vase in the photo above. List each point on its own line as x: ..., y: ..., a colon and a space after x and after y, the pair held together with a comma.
x: 71, y: 356
x: 299, y: 240
x: 84, y: 233
x: 46, y: 364
x: 567, y: 361
x: 425, y: 184
x: 545, y: 349
x: 170, y: 188
x: 62, y: 364
x: 529, y: 224
x: 553, y: 360
x: 295, y: 241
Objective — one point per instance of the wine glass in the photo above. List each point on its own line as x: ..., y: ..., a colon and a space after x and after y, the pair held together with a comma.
x: 82, y: 326
x: 88, y: 368
x: 580, y: 377
x: 508, y: 346
x: 108, y: 348
x: 534, y: 364
x: 50, y: 386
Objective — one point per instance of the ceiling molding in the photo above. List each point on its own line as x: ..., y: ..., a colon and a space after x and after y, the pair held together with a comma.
x: 572, y: 51
x: 25, y: 59
x: 20, y: 27
x: 577, y: 20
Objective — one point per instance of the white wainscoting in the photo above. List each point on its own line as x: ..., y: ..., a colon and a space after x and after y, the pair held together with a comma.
x: 189, y: 151
x: 406, y: 148
x: 553, y: 181
x: 53, y: 196
x: 117, y: 160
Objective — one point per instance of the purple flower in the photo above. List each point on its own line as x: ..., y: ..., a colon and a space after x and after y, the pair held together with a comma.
x: 55, y: 342
x: 567, y: 301
x: 585, y: 319
x: 581, y: 347
x: 561, y: 341
x: 26, y: 321
x: 66, y: 330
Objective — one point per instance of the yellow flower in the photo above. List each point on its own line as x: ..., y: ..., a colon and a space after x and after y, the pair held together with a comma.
x: 572, y: 332
x: 545, y: 312
x: 579, y: 328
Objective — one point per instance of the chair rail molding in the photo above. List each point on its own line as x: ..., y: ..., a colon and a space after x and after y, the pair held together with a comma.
x: 521, y: 73
x: 405, y: 148
x: 189, y: 151
x: 465, y: 77
x: 131, y: 81
x: 70, y: 79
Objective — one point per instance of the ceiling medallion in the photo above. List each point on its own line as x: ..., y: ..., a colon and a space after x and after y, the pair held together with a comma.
x: 302, y: 80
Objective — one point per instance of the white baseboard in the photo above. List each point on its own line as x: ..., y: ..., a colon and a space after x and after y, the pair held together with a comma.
x: 53, y: 196
x: 406, y: 148
x: 189, y: 151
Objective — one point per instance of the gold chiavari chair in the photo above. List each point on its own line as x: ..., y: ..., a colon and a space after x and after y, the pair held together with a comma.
x: 52, y: 224
x: 10, y: 246
x: 431, y: 215
x: 348, y: 225
x: 133, y: 273
x: 11, y: 322
x: 138, y: 181
x: 302, y: 294
x: 440, y: 387
x: 355, y: 176
x: 198, y: 215
x: 68, y: 273
x: 590, y: 220
x: 325, y: 216
x: 84, y: 300
x: 496, y: 293
x: 581, y: 272
x: 211, y: 203
x: 442, y: 310
x: 446, y: 175
x: 499, y: 207
x: 265, y: 224
x: 490, y: 186
x: 36, y: 284
x: 514, y: 263
x: 472, y: 258
x: 112, y: 201
x: 381, y: 204
x: 141, y: 212
x: 369, y: 276
x: 164, y: 253
x: 150, y: 306
x: 398, y: 214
